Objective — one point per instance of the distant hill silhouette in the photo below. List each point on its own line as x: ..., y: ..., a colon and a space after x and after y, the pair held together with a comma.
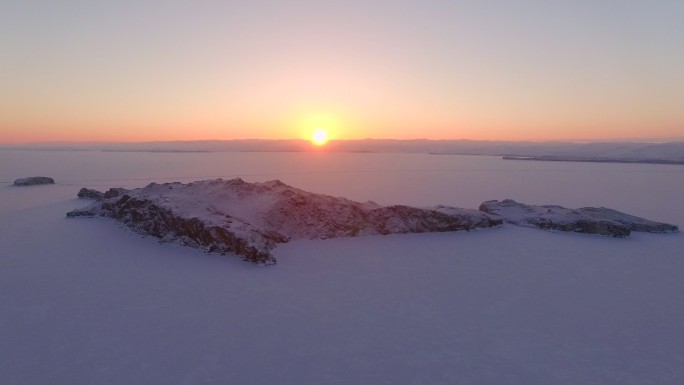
x: 639, y: 152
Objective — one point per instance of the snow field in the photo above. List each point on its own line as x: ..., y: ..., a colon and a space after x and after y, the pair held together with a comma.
x: 85, y: 301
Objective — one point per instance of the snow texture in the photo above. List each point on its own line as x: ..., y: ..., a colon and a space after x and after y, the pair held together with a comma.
x: 249, y: 219
x: 591, y: 220
x: 84, y: 302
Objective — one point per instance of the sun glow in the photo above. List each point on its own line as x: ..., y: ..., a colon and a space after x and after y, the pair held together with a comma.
x: 319, y: 128
x: 319, y: 137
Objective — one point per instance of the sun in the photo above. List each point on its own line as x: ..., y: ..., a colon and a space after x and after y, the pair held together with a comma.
x: 319, y: 137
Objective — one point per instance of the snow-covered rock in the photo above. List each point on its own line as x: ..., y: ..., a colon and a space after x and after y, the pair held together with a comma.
x: 249, y: 219
x: 590, y: 220
x: 33, y: 180
x: 89, y: 193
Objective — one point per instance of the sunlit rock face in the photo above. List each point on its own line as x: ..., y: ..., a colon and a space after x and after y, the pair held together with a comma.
x: 591, y: 220
x: 250, y: 219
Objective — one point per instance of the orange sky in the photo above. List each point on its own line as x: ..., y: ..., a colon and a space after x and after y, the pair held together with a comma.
x: 242, y: 70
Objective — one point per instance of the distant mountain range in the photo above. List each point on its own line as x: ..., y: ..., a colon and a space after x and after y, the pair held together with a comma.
x: 633, y: 152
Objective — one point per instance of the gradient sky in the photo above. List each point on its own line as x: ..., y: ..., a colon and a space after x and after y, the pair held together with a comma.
x: 499, y: 70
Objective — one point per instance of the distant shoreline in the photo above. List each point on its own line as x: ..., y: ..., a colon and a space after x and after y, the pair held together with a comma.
x: 592, y: 160
x: 667, y: 153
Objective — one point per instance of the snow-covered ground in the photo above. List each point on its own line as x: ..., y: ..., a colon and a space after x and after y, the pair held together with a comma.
x: 85, y: 301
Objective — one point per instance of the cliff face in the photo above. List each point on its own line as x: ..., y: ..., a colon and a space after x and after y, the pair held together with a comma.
x: 250, y: 219
x: 591, y: 220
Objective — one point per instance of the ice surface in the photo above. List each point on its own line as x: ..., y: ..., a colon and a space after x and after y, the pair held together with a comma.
x: 86, y: 302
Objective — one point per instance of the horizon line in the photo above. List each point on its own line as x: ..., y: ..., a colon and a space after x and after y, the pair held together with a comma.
x: 333, y: 140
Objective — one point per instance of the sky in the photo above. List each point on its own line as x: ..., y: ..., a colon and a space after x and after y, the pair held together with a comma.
x: 485, y: 70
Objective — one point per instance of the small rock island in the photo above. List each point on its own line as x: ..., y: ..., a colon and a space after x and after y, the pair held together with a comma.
x: 33, y: 181
x: 590, y: 220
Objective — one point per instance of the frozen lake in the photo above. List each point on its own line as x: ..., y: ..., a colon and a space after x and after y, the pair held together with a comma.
x: 413, y: 179
x: 86, y: 301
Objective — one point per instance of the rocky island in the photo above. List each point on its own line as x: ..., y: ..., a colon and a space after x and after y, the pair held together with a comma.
x: 34, y: 180
x: 590, y: 220
x: 250, y: 219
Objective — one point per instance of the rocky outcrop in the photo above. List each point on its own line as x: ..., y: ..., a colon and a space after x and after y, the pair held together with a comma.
x: 591, y: 220
x: 250, y: 219
x: 33, y: 180
x: 89, y: 193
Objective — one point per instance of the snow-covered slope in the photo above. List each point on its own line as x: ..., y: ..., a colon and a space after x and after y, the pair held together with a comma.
x: 249, y: 219
x: 590, y: 220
